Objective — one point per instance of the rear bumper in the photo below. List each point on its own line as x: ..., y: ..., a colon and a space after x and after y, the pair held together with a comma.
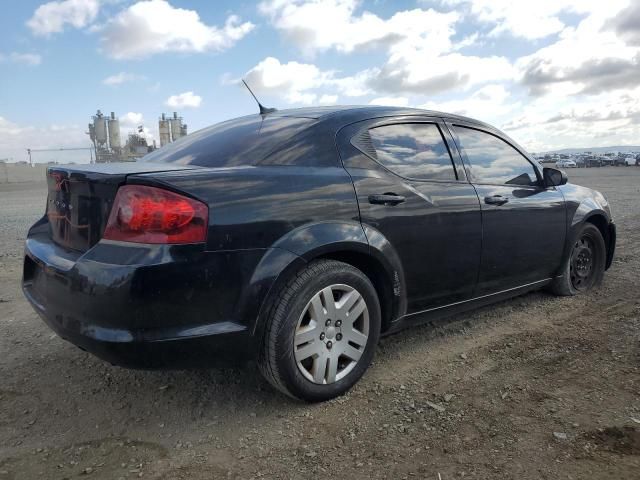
x: 160, y: 349
x: 145, y: 306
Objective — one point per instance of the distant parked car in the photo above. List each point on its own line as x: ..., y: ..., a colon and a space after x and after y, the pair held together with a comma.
x: 566, y: 164
x: 591, y: 162
x: 630, y: 161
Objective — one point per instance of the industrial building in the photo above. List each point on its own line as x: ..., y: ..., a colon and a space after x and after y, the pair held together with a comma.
x: 171, y: 129
x: 104, y: 133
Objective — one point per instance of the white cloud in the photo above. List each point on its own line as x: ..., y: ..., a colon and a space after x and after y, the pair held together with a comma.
x: 627, y: 24
x: 302, y: 83
x: 320, y: 25
x: 491, y: 103
x: 358, y: 85
x: 328, y: 99
x: 131, y: 120
x: 302, y: 98
x: 8, y: 128
x: 120, y: 78
x: 467, y: 41
x: 488, y: 103
x: 421, y: 57
x: 270, y: 74
x: 291, y: 80
x: 414, y: 71
x: 550, y: 122
x: 390, y: 101
x: 154, y: 26
x: 31, y: 59
x: 52, y: 17
x: 531, y: 20
x: 15, y: 139
x: 588, y: 58
x: 184, y: 100
x: 408, y: 72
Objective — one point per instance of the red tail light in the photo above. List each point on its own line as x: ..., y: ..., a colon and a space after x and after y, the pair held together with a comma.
x: 144, y: 214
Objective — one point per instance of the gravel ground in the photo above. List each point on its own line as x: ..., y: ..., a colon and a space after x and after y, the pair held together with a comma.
x: 538, y: 387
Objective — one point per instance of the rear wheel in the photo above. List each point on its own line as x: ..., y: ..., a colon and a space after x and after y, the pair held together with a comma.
x: 322, y: 332
x: 584, y: 268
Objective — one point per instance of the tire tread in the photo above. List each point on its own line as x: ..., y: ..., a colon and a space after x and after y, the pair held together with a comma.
x: 277, y: 313
x: 561, y: 285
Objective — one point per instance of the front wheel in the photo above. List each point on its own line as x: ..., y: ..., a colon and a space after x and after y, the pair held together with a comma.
x: 321, y: 332
x: 584, y: 268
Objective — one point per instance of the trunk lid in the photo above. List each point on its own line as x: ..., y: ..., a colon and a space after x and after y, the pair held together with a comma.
x: 80, y: 198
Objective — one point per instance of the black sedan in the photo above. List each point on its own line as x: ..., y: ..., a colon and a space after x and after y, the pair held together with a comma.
x: 298, y: 237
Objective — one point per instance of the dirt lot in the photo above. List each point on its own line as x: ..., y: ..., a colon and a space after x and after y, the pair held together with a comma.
x: 534, y: 388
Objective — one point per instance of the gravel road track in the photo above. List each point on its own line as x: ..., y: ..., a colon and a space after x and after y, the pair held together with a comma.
x: 538, y: 387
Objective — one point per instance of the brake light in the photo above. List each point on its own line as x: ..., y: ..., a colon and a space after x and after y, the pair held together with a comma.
x: 144, y: 214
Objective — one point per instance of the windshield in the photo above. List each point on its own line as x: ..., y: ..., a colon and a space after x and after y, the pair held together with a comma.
x: 239, y: 142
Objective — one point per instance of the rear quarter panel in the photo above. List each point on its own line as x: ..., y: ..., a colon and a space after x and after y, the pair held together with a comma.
x: 255, y: 207
x: 277, y: 216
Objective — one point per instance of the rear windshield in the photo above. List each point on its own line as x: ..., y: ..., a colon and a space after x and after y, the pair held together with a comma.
x: 238, y: 142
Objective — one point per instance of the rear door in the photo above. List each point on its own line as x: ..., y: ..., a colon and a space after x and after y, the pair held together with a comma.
x: 523, y: 223
x: 411, y: 190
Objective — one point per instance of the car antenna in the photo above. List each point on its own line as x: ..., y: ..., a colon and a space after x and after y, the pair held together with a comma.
x: 263, y: 110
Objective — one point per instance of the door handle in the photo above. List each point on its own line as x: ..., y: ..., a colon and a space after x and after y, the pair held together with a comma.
x: 388, y: 199
x: 496, y: 200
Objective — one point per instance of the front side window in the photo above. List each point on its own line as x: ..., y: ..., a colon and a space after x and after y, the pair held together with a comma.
x: 413, y: 150
x: 492, y: 160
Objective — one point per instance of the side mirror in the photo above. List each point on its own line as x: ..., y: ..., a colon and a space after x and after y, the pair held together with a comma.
x: 554, y: 177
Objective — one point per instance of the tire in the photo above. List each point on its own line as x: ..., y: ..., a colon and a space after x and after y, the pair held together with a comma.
x: 584, y: 269
x: 303, y: 312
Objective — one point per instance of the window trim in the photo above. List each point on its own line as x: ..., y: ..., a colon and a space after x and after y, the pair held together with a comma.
x: 452, y: 123
x: 458, y: 170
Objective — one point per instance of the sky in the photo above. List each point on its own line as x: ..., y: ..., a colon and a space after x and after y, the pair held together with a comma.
x: 550, y: 73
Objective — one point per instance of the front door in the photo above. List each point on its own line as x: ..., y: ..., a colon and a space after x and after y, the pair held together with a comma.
x: 413, y: 193
x: 523, y: 223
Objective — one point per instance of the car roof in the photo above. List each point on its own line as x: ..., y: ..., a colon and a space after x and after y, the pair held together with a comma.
x: 257, y: 137
x: 341, y: 115
x: 338, y: 116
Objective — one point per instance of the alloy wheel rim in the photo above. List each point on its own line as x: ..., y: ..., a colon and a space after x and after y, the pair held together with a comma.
x: 331, y: 334
x: 582, y: 263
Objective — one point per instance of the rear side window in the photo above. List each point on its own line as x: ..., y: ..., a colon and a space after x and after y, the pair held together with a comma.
x: 413, y: 150
x: 492, y: 160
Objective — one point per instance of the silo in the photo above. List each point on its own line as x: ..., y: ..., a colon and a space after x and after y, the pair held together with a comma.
x: 100, y: 127
x: 164, y: 130
x: 176, y: 123
x: 183, y: 130
x: 114, y: 133
x: 92, y: 133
